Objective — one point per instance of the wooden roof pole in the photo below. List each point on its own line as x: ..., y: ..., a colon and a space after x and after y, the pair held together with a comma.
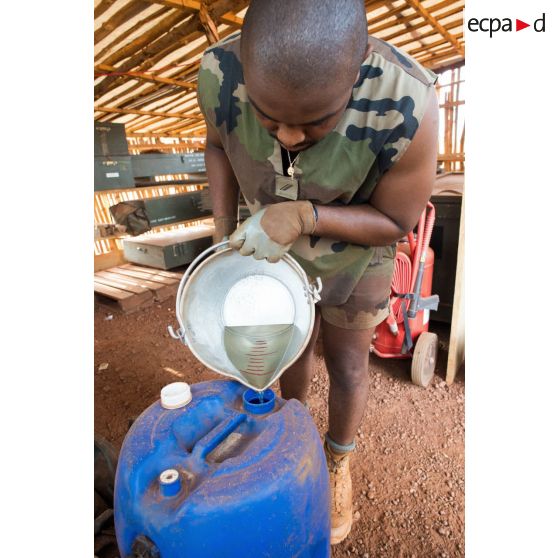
x: 144, y: 112
x: 103, y: 6
x: 392, y: 38
x: 211, y: 32
x: 216, y: 10
x: 140, y: 121
x: 145, y: 39
x: 121, y: 16
x: 152, y: 135
x: 99, y: 57
x: 431, y: 46
x: 440, y: 28
x: 168, y: 40
x: 401, y: 19
x: 193, y: 6
x: 147, y: 77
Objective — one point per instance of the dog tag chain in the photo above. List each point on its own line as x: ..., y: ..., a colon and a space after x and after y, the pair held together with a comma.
x: 287, y: 186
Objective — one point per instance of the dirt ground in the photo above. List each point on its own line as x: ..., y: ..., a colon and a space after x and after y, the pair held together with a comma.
x: 408, y: 470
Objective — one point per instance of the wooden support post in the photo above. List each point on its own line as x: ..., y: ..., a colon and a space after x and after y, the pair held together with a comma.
x: 456, y: 352
x: 211, y: 32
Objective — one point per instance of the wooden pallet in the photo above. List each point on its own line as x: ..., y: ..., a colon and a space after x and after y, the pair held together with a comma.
x: 131, y: 287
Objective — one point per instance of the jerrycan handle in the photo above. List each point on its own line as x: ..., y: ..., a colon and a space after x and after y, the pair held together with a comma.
x: 214, y: 437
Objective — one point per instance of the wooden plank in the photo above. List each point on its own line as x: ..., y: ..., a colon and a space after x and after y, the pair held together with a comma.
x: 111, y: 292
x: 113, y: 273
x: 117, y: 283
x: 108, y: 260
x: 152, y: 271
x: 148, y: 276
x: 160, y: 291
x: 456, y: 352
x: 125, y: 300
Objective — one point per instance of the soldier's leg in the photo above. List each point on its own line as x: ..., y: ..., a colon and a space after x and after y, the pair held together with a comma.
x: 346, y: 355
x: 296, y: 379
x: 346, y: 333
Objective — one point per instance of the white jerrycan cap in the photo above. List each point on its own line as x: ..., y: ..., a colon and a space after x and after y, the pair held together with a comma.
x: 176, y: 395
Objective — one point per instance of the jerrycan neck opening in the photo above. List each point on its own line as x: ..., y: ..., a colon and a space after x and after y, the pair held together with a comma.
x: 258, y: 402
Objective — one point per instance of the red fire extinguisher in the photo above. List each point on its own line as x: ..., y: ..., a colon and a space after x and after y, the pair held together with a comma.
x: 404, y: 334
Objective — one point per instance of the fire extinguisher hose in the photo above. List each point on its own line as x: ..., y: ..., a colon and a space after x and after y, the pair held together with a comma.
x: 422, y: 249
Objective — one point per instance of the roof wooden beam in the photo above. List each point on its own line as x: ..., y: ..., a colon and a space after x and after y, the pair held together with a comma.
x: 177, y: 125
x: 436, y: 25
x: 427, y: 47
x: 211, y: 32
x: 144, y: 122
x: 169, y: 41
x: 432, y: 32
x: 103, y: 6
x: 128, y: 32
x: 143, y: 112
x: 427, y: 60
x: 152, y: 135
x: 143, y: 41
x: 383, y: 24
x: 194, y: 6
x: 129, y: 11
x: 189, y: 71
x: 144, y: 99
x: 146, y: 77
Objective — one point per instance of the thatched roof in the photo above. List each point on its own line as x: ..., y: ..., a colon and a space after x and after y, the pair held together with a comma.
x: 147, y: 53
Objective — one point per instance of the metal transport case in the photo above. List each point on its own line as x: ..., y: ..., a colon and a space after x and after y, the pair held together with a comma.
x: 179, y: 207
x: 168, y: 249
x: 113, y: 173
x: 157, y: 164
x: 110, y: 139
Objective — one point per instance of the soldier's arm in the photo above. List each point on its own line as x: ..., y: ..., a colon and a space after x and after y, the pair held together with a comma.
x: 398, y: 199
x: 223, y: 186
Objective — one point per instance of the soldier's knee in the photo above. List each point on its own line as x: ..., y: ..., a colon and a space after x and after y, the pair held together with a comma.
x: 347, y: 373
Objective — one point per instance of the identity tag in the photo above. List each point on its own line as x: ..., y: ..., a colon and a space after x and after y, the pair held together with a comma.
x: 286, y: 187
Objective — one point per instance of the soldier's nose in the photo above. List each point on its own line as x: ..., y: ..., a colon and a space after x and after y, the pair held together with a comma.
x: 290, y: 136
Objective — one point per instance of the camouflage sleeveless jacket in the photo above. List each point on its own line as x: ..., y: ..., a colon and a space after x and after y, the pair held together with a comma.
x: 380, y: 120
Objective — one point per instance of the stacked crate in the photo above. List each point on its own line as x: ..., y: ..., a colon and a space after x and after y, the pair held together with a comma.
x: 113, y: 162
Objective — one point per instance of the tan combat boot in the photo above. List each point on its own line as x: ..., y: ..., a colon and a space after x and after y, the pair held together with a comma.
x: 341, y: 494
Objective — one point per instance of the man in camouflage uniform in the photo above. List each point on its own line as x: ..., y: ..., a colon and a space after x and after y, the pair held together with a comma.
x: 331, y: 136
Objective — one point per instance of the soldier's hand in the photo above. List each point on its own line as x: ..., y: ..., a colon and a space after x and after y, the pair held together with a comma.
x: 271, y: 231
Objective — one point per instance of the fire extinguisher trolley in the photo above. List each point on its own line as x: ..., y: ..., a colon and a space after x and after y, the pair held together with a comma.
x: 404, y: 333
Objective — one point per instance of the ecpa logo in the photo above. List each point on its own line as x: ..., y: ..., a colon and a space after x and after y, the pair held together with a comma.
x: 494, y: 24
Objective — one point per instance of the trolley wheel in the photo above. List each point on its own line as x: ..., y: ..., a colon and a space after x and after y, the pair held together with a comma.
x: 424, y: 359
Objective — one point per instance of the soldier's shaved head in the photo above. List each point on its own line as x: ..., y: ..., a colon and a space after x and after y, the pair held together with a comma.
x: 304, y: 44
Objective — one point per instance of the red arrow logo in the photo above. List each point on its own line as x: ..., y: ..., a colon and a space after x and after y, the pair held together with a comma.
x: 519, y: 25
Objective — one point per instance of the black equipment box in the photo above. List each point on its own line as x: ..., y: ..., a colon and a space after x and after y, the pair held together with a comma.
x: 157, y: 164
x: 168, y: 249
x: 110, y: 139
x: 444, y: 242
x: 173, y: 209
x: 111, y: 173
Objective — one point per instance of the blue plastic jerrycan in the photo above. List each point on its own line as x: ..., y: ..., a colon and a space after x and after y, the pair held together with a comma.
x: 231, y: 474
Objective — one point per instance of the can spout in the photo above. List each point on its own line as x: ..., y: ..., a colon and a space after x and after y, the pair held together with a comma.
x: 258, y: 402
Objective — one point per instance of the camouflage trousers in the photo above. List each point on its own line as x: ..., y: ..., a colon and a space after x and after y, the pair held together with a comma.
x: 368, y: 304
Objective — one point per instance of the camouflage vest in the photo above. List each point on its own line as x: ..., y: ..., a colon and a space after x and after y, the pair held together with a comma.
x: 380, y: 120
